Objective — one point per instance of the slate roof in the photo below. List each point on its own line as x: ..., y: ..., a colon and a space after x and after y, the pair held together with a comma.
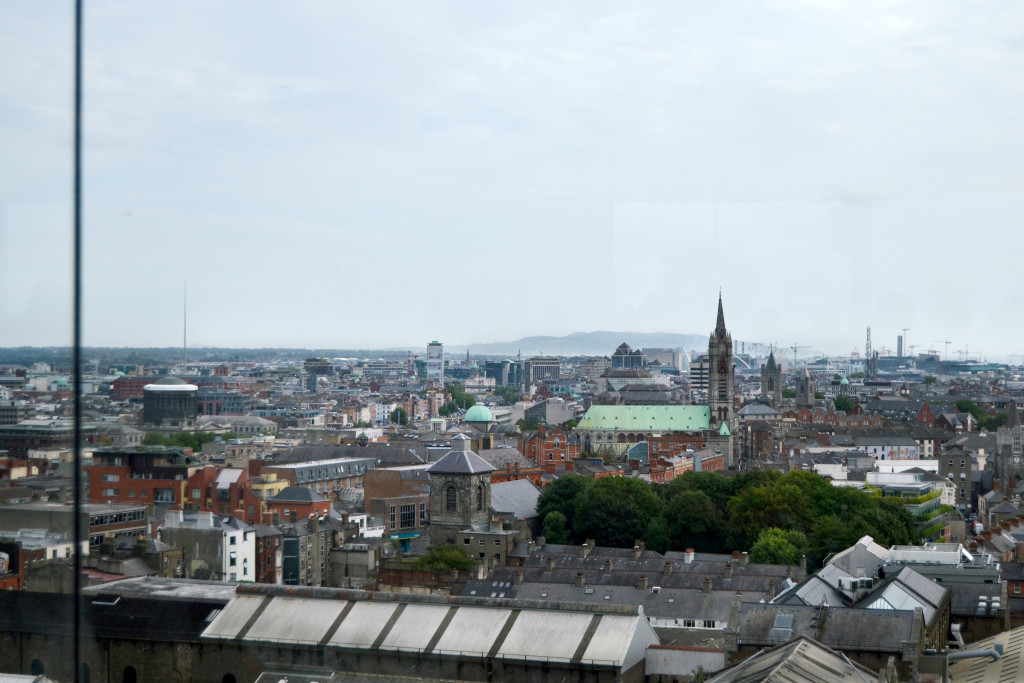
x: 297, y: 494
x: 461, y: 462
x: 845, y: 628
x: 517, y: 497
x: 803, y: 660
x: 500, y: 458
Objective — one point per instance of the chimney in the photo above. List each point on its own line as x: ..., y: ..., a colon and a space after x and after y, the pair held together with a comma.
x: 771, y: 588
x: 642, y: 584
x: 530, y: 547
x: 707, y: 585
x: 517, y: 577
x: 728, y: 568
x: 668, y: 568
x: 540, y: 542
x: 495, y: 524
x: 636, y: 552
x: 579, y: 579
x: 803, y: 563
x: 735, y: 555
x: 688, y: 556
x: 608, y: 567
x: 744, y: 559
x: 549, y: 564
x: 973, y: 547
x: 313, y: 523
x: 584, y: 550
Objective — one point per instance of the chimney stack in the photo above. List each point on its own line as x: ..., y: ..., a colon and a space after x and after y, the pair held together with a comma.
x: 636, y: 552
x: 707, y: 585
x: 584, y: 550
x: 688, y: 556
x: 642, y: 585
x: 744, y: 559
x: 579, y: 579
x: 771, y: 589
x: 735, y: 554
x: 668, y: 567
x: 803, y: 563
x: 728, y: 568
x: 517, y: 577
x: 549, y: 564
x: 608, y: 567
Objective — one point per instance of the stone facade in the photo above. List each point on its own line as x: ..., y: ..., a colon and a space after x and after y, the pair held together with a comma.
x: 771, y: 381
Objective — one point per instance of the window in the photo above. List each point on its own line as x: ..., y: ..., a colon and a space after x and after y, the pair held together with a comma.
x: 163, y: 495
x: 963, y: 476
x: 423, y: 513
x: 451, y: 500
x: 232, y: 540
x: 233, y: 559
x: 109, y: 492
x: 963, y: 464
x: 392, y: 516
x: 466, y: 540
x: 110, y: 477
x: 196, y: 494
x: 689, y: 623
x: 1016, y: 589
x: 482, y: 541
x: 709, y: 623
x: 131, y: 493
x: 408, y: 519
x: 480, y: 497
x: 497, y: 542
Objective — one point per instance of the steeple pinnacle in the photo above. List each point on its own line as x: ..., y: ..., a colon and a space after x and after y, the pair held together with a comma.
x: 1012, y: 416
x: 720, y: 325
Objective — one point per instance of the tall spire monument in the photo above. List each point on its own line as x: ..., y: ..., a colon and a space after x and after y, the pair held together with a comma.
x: 721, y: 383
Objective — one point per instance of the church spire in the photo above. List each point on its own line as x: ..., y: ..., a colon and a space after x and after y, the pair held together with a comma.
x: 720, y: 326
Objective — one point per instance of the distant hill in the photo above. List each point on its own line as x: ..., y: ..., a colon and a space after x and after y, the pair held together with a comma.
x: 601, y: 343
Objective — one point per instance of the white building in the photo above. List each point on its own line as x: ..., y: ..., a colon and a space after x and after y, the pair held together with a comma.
x: 223, y: 546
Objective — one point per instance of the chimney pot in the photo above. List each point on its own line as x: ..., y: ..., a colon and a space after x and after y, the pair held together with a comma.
x: 517, y: 577
x: 642, y: 585
x: 579, y: 579
x: 549, y: 564
x: 607, y: 567
x: 668, y: 567
x: 707, y: 584
x: 688, y: 556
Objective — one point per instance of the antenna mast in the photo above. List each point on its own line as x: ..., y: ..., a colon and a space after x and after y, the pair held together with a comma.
x: 184, y: 330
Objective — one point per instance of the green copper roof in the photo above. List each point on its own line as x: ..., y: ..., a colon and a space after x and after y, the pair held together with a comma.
x: 647, y: 418
x: 479, y: 413
x: 724, y: 430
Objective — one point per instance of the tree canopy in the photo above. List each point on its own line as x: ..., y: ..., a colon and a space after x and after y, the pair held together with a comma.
x: 707, y: 511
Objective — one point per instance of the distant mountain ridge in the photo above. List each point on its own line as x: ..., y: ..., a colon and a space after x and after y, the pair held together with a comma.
x: 599, y: 343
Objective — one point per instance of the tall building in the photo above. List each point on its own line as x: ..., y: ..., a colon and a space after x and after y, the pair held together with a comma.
x: 771, y: 380
x: 169, y: 401
x: 435, y: 362
x: 1010, y: 450
x: 720, y: 374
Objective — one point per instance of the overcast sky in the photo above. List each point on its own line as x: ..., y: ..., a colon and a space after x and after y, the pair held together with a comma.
x: 342, y: 174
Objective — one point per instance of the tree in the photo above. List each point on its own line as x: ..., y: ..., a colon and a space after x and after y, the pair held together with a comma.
x: 448, y: 408
x: 445, y: 558
x: 569, y: 425
x: 844, y: 403
x: 657, y: 534
x: 819, y: 395
x: 399, y: 417
x: 930, y: 379
x: 789, y: 393
x: 154, y: 439
x: 508, y: 394
x: 776, y: 546
x: 615, y: 511
x: 563, y: 494
x: 693, y: 522
x: 555, y: 529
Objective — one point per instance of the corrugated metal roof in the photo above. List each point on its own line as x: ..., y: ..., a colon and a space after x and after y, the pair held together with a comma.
x: 545, y: 635
x: 363, y: 624
x: 415, y: 627
x: 647, y: 418
x: 472, y: 629
x: 233, y: 617
x: 303, y: 620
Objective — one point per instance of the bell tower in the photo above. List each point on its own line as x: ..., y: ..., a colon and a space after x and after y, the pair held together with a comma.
x: 720, y: 374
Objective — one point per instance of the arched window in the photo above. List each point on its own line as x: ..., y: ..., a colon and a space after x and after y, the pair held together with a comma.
x: 451, y: 500
x: 37, y: 667
x: 479, y: 497
x: 130, y: 676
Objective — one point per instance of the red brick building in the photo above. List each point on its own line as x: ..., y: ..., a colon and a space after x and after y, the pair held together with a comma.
x: 550, y: 448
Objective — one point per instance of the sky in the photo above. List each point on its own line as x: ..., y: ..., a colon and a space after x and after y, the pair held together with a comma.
x: 356, y: 175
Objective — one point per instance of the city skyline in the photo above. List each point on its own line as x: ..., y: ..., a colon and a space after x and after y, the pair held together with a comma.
x: 344, y: 176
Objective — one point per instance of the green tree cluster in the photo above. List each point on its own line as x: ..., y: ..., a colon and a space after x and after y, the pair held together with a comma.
x: 508, y: 394
x: 399, y: 417
x: 460, y: 398
x: 985, y: 421
x: 844, y: 403
x: 444, y: 558
x: 193, y: 440
x: 773, y: 516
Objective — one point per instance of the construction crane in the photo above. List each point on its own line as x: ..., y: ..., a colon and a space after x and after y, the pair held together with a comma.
x: 795, y: 349
x: 947, y: 343
x: 912, y: 347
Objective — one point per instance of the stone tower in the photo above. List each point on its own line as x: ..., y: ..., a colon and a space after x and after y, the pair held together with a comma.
x: 720, y: 374
x: 771, y: 380
x: 804, y: 389
x: 1010, y: 451
x: 460, y: 492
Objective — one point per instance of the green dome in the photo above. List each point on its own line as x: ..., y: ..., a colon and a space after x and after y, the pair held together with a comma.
x: 479, y: 413
x: 844, y: 381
